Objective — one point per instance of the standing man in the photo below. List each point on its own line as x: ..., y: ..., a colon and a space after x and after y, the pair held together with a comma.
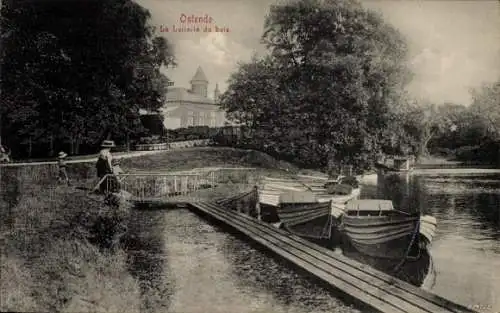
x: 61, y: 164
x: 104, y: 165
x: 4, y: 155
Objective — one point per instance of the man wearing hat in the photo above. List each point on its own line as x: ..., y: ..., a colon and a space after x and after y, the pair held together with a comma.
x: 4, y: 154
x: 61, y: 164
x: 104, y: 165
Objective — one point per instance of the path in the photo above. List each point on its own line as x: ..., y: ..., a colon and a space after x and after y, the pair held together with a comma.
x: 87, y: 158
x: 456, y: 171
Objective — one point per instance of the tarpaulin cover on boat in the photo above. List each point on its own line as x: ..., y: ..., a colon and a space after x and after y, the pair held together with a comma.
x: 369, y: 205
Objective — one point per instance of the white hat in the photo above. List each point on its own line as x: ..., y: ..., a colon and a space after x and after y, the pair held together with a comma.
x: 62, y: 154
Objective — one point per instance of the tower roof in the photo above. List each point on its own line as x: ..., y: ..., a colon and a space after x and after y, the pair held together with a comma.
x: 199, y: 75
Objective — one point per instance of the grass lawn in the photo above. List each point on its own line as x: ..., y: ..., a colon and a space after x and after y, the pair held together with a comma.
x: 189, y: 158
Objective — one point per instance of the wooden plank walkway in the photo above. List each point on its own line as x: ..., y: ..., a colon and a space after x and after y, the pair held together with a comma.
x: 376, y: 289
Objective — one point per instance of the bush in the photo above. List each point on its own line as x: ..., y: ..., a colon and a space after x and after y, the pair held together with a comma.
x: 444, y: 152
x: 467, y: 153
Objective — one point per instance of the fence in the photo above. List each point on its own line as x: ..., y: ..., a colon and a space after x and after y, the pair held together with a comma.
x: 173, y: 145
x: 198, y: 184
x: 151, y: 146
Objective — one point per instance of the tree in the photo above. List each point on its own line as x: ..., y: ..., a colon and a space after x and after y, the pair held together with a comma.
x: 79, y: 70
x: 326, y: 88
x: 486, y: 105
x: 425, y: 121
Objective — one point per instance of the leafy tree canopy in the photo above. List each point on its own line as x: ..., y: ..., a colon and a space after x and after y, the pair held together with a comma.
x: 79, y: 70
x: 326, y: 90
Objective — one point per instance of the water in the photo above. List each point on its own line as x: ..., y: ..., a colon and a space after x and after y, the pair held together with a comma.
x: 466, y: 249
x: 198, y: 267
x: 191, y: 265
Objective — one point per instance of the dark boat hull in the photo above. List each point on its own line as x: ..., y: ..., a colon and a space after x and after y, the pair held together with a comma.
x: 308, y: 220
x: 391, y: 237
x: 322, y: 229
x: 292, y: 214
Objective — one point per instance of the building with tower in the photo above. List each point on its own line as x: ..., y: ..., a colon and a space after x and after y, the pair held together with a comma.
x: 193, y: 107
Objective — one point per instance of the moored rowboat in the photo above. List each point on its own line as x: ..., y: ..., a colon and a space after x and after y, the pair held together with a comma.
x: 305, y: 199
x: 376, y: 229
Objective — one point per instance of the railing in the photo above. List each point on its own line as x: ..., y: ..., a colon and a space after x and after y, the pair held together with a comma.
x: 144, y: 187
x: 150, y: 186
x: 173, y: 145
x: 151, y: 146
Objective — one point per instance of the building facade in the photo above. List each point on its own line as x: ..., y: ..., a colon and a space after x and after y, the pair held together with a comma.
x: 192, y: 107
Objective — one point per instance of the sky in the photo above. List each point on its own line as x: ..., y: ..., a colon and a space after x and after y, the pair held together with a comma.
x: 454, y: 45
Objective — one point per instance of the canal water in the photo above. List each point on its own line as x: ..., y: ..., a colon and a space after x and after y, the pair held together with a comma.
x: 465, y: 253
x: 187, y: 264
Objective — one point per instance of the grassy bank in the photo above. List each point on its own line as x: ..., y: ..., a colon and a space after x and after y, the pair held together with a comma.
x: 60, y: 249
x: 206, y: 157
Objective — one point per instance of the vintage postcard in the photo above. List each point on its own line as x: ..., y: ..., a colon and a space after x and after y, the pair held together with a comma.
x: 272, y: 156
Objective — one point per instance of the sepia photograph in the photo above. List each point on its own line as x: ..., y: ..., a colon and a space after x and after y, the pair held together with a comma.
x: 239, y: 156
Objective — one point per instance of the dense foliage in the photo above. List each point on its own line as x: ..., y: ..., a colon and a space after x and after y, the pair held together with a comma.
x: 331, y: 90
x: 476, y: 136
x: 78, y: 71
x: 326, y: 89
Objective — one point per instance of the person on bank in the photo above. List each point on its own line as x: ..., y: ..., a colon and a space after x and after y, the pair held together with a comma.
x: 104, y: 167
x: 61, y: 165
x: 4, y: 154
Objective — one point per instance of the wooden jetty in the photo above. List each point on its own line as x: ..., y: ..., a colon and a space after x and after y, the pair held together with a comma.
x: 397, y: 164
x: 375, y: 289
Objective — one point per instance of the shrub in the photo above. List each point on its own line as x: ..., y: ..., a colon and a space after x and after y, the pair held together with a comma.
x: 467, y: 153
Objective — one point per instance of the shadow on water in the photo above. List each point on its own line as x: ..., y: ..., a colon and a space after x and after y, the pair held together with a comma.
x: 402, y: 189
x: 411, y: 271
x: 259, y: 270
x: 147, y: 260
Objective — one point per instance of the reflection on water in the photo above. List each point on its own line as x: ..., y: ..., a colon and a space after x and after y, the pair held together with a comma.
x: 466, y: 249
x: 147, y: 259
x: 411, y: 271
x: 210, y: 270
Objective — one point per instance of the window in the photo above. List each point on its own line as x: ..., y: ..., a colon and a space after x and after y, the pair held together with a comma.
x: 195, y: 118
x: 201, y: 118
x: 190, y: 119
x: 212, y: 119
x: 206, y: 120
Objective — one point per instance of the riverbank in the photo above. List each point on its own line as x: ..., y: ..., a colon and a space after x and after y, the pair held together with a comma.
x: 61, y: 250
x: 437, y: 161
